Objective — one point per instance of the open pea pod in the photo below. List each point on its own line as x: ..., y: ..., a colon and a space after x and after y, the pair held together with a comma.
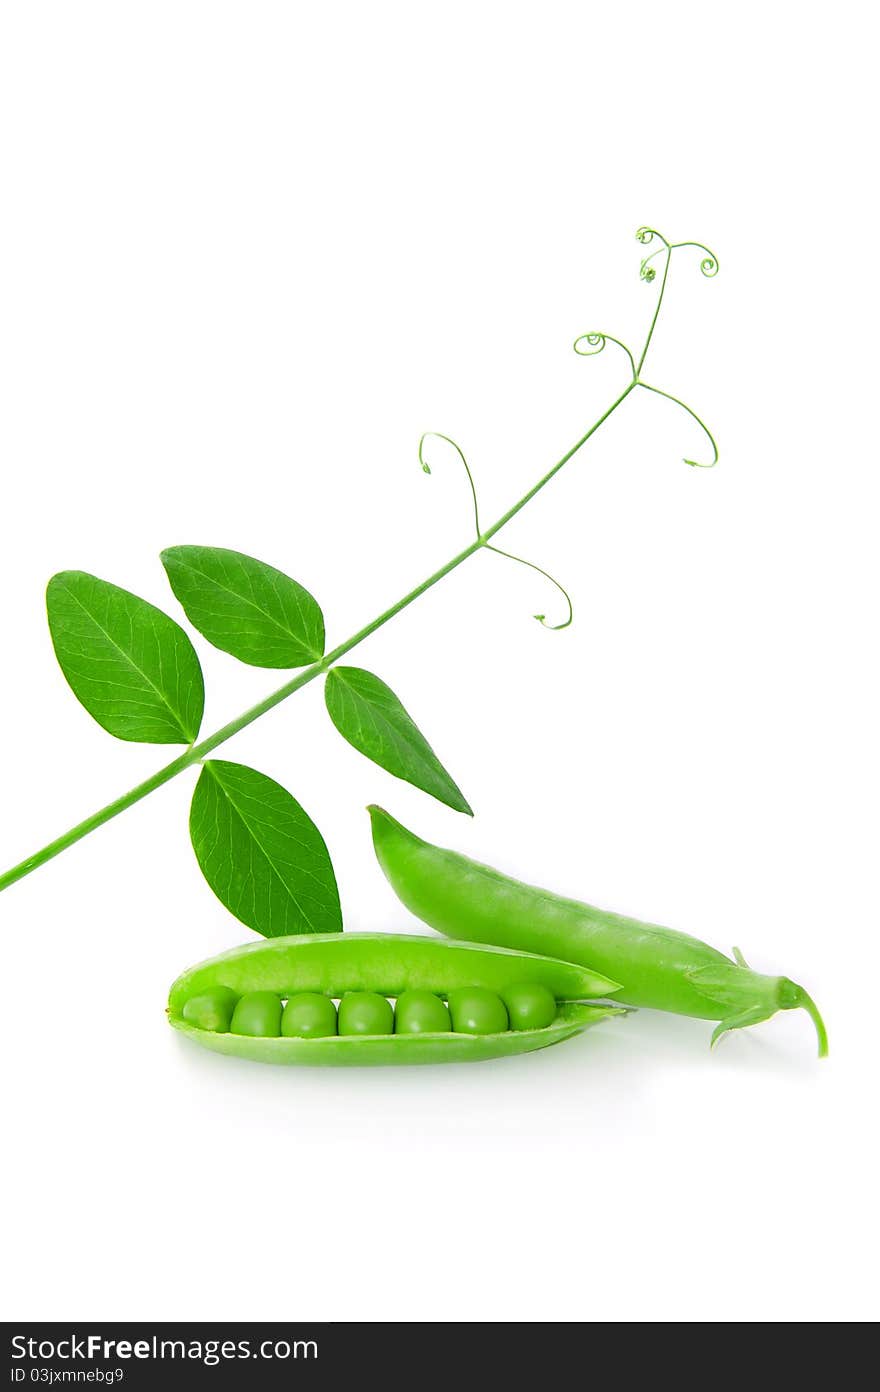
x: 333, y: 965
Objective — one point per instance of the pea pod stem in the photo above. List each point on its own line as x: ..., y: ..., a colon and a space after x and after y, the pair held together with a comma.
x: 806, y: 1002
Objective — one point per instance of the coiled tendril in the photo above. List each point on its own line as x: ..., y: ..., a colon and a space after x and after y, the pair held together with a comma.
x: 589, y: 344
x: 694, y: 463
x: 708, y: 265
x: 646, y: 235
x: 436, y: 435
x: 508, y: 555
x: 596, y: 343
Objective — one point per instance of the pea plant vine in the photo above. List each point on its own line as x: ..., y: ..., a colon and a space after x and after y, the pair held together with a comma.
x: 137, y: 673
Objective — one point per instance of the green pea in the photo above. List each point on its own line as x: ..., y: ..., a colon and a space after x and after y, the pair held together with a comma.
x: 475, y: 1010
x: 420, y: 1012
x: 309, y: 1016
x: 212, y: 1010
x: 530, y: 1006
x: 365, y: 1012
x: 257, y: 1014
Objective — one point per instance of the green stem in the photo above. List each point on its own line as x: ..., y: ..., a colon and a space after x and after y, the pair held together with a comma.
x: 197, y: 752
x: 808, y: 1004
x: 527, y: 497
x: 206, y: 746
x: 666, y: 262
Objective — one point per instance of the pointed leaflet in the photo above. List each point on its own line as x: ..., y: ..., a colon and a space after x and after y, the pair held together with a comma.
x: 261, y: 853
x: 245, y: 607
x: 132, y: 667
x: 367, y: 713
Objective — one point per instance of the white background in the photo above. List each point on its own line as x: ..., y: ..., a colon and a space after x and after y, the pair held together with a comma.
x: 250, y: 252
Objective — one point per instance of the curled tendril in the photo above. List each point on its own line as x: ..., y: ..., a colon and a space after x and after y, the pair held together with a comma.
x: 542, y: 618
x: 709, y: 263
x: 647, y: 234
x: 694, y: 463
x: 436, y: 435
x: 648, y: 272
x: 595, y: 343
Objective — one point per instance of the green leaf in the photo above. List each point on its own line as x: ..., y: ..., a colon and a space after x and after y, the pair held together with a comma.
x: 245, y: 607
x: 367, y: 713
x: 261, y: 853
x: 132, y: 667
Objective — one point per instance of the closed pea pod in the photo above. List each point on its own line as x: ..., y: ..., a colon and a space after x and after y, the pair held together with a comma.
x: 657, y: 967
x: 383, y: 965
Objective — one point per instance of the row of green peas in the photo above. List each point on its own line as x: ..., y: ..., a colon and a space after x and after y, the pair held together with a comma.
x: 309, y: 1015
